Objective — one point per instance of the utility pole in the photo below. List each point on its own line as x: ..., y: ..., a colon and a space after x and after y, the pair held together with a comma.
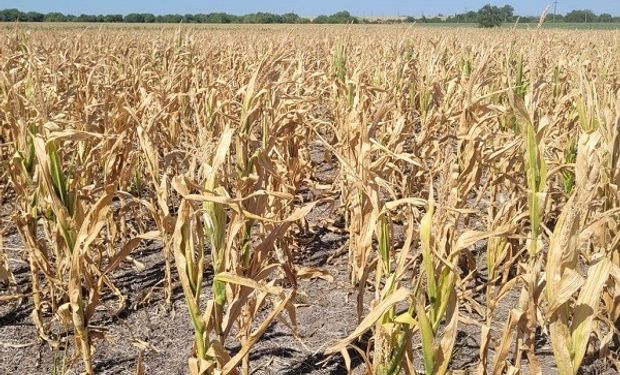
x: 555, y: 8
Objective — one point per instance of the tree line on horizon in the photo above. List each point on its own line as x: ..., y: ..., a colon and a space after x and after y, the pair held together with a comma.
x: 487, y: 16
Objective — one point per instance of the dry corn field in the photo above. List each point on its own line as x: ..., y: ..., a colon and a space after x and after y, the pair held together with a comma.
x: 312, y: 200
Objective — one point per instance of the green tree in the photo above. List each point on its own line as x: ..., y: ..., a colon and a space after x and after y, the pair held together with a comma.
x: 507, y: 12
x: 55, y: 17
x: 338, y: 17
x: 88, y: 18
x: 170, y: 18
x: 148, y: 18
x: 34, y: 17
x: 290, y: 18
x: 11, y: 15
x: 134, y: 18
x: 220, y: 18
x: 584, y: 15
x: 490, y: 16
x: 321, y: 19
x: 113, y: 18
x: 262, y: 17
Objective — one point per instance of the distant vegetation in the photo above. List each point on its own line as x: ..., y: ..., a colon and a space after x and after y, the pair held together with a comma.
x: 14, y: 15
x: 492, y: 16
x: 487, y: 16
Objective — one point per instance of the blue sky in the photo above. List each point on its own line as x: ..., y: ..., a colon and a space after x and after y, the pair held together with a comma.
x: 302, y: 7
